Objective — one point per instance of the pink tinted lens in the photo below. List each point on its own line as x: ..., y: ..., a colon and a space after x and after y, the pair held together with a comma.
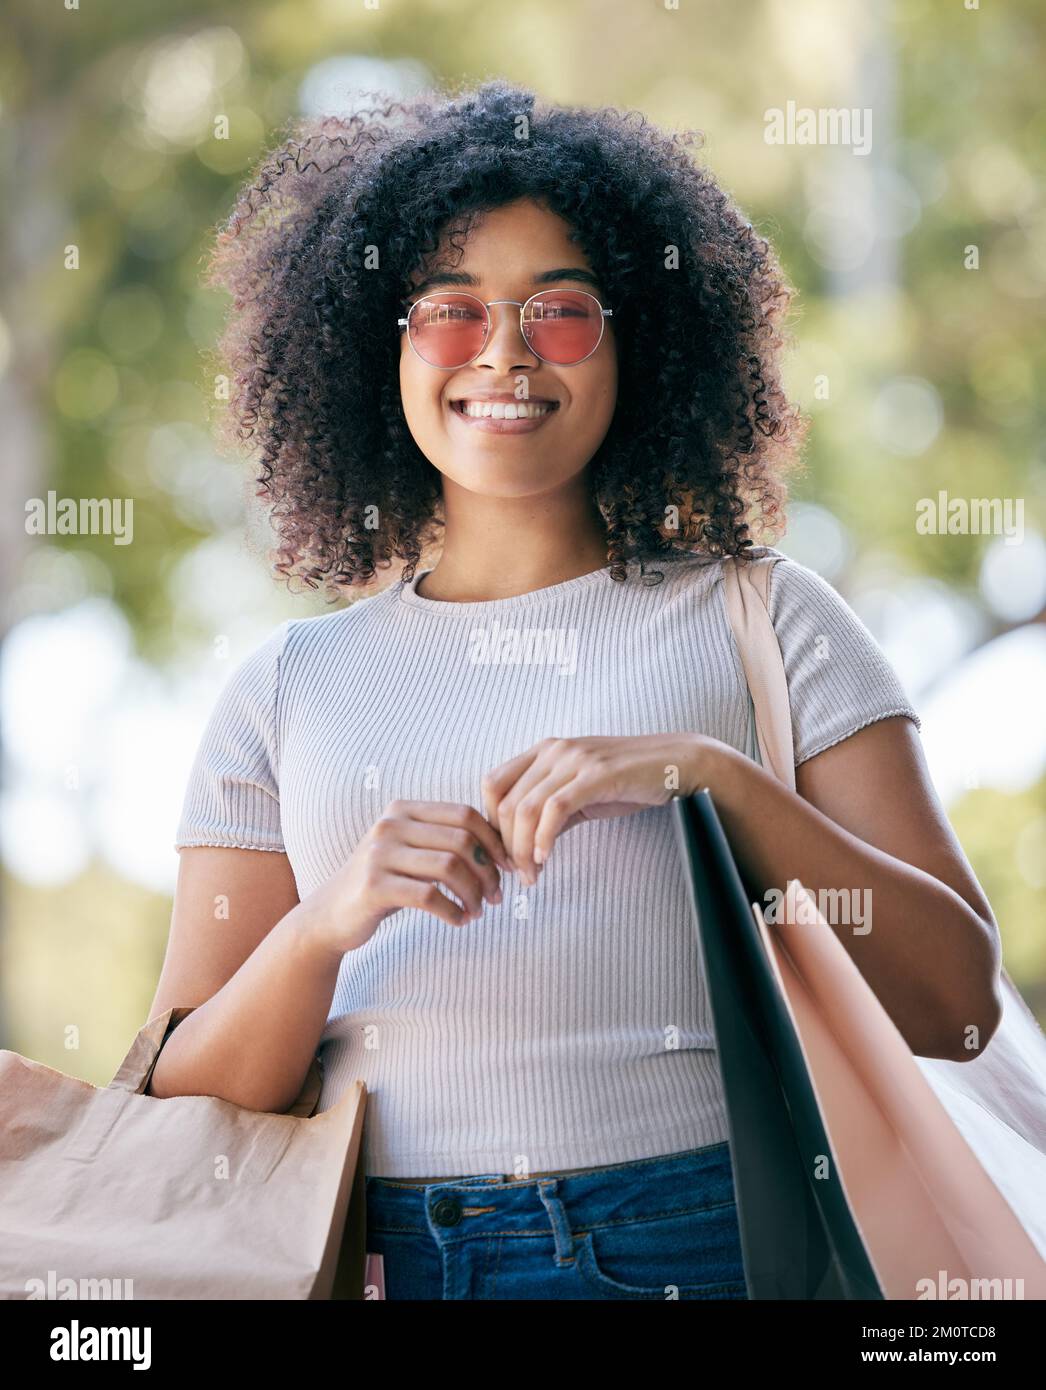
x: 563, y: 326
x: 448, y: 330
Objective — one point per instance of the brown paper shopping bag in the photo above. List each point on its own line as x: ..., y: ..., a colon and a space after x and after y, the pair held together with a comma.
x: 107, y: 1192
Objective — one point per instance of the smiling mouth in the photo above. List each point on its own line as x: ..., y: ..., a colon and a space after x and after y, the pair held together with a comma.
x: 504, y: 410
x: 503, y: 418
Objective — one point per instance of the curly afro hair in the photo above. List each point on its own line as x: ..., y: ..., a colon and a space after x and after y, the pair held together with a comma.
x: 319, y: 254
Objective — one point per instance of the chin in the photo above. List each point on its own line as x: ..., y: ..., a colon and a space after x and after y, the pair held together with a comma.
x: 507, y: 487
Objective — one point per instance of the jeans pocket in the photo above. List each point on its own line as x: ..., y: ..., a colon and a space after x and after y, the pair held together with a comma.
x: 692, y: 1254
x: 412, y: 1266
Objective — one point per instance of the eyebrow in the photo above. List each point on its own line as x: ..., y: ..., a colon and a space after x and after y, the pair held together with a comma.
x: 546, y: 277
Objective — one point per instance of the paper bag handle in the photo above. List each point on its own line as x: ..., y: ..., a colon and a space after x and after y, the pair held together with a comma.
x: 137, y: 1067
x: 746, y: 589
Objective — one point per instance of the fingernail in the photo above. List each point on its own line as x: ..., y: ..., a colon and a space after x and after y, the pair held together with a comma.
x: 497, y: 897
x: 539, y: 856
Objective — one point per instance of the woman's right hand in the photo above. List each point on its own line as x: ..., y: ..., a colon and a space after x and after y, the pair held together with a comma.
x: 409, y: 850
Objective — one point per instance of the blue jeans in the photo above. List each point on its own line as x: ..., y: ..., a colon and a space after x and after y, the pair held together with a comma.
x: 656, y: 1228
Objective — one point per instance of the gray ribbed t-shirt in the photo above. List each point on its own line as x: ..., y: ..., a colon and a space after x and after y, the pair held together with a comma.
x: 568, y: 1026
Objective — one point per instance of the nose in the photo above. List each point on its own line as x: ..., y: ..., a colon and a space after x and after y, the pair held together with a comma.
x: 506, y: 349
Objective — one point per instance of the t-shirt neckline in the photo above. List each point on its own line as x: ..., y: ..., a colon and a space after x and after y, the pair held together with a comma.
x: 409, y: 595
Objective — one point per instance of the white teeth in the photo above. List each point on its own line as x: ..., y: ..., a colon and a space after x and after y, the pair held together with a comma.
x: 504, y: 410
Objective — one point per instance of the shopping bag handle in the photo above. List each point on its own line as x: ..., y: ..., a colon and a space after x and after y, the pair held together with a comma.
x: 137, y: 1067
x: 747, y: 594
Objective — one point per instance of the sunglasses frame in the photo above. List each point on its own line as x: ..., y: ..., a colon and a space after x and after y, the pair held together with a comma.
x: 486, y: 307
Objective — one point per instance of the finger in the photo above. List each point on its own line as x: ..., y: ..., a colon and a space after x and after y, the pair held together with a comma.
x: 497, y: 784
x: 501, y: 779
x: 561, y: 809
x: 454, y: 813
x: 455, y: 838
x: 426, y: 897
x: 507, y: 814
x: 442, y: 865
x: 532, y: 811
x: 487, y: 835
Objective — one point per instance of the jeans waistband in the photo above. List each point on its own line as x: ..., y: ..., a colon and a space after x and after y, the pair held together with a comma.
x: 485, y: 1203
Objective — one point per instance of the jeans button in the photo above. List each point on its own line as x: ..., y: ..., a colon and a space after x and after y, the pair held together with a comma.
x: 446, y: 1212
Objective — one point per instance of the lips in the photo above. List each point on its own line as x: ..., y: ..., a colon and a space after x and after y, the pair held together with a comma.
x: 503, y: 415
x: 487, y: 403
x: 504, y: 410
x: 505, y: 398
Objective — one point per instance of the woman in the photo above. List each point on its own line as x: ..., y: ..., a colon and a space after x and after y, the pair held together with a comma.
x: 469, y: 893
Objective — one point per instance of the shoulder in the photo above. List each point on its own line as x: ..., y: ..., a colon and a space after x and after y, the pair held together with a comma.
x: 296, y: 646
x: 698, y: 577
x: 795, y: 589
x: 792, y: 585
x: 802, y: 600
x: 681, y: 572
x: 839, y: 677
x: 308, y: 640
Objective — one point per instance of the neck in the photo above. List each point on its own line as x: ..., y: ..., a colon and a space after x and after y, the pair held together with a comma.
x: 498, y: 547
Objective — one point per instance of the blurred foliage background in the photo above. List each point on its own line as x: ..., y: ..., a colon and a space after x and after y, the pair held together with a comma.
x: 919, y: 354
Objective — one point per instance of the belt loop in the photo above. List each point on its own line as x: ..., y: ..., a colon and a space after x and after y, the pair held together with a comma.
x: 547, y: 1191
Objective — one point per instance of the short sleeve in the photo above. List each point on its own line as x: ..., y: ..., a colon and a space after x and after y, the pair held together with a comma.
x: 233, y: 796
x: 839, y: 679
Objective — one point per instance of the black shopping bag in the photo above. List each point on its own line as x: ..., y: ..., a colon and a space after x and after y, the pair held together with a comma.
x: 798, y: 1234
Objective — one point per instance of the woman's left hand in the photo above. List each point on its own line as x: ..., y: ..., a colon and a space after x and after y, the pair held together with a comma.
x: 560, y: 782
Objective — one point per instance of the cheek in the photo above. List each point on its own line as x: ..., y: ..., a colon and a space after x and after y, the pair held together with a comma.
x: 597, y: 394
x: 420, y: 398
x: 410, y: 385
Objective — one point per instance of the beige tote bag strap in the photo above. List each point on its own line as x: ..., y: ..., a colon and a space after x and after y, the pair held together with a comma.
x: 137, y: 1067
x: 746, y: 588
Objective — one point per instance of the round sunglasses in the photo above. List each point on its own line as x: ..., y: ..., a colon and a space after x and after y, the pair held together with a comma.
x: 562, y: 327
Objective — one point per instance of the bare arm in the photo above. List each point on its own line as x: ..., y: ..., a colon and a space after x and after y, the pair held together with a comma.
x: 866, y: 816
x: 261, y: 968
x: 260, y: 979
